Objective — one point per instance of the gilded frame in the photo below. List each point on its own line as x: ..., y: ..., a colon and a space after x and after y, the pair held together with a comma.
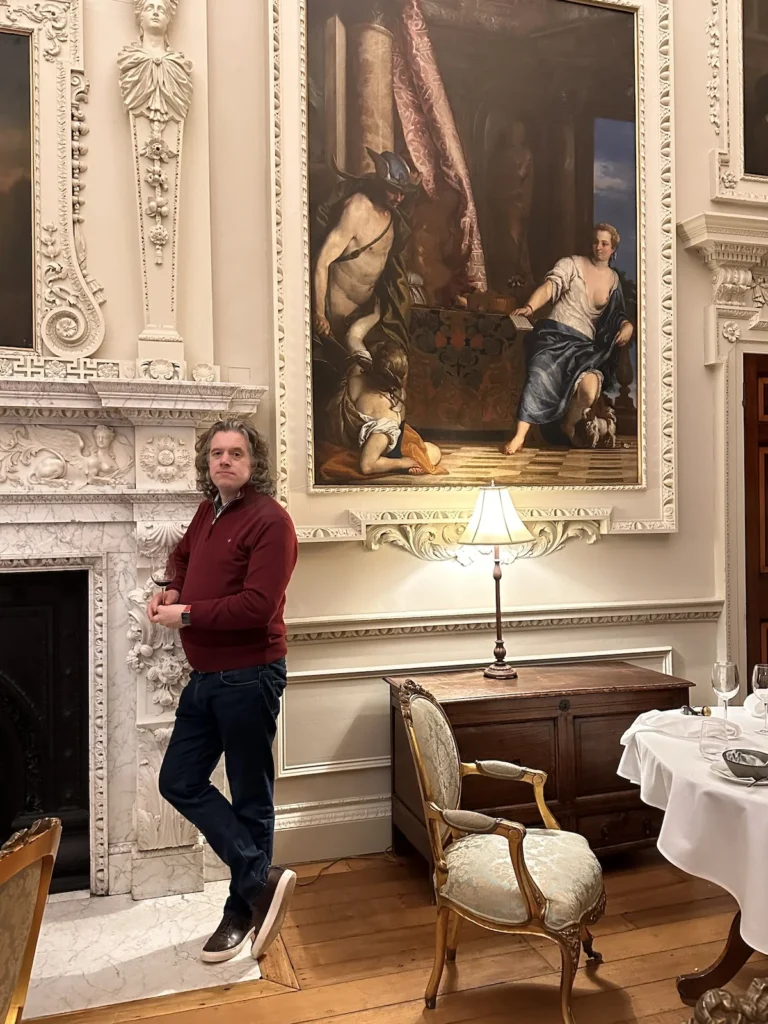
x: 68, y: 318
x: 323, y: 514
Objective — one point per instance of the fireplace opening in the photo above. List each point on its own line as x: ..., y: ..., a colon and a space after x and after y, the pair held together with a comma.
x: 44, y: 707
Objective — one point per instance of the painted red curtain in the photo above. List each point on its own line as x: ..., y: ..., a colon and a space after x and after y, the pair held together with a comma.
x: 430, y: 131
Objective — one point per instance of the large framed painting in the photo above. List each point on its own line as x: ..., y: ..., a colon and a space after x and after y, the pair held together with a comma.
x: 17, y: 265
x: 478, y: 189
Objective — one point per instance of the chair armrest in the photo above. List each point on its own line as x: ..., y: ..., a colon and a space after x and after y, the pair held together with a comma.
x: 516, y: 773
x: 473, y: 823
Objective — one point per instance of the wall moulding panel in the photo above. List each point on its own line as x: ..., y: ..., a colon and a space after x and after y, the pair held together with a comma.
x: 329, y: 514
x: 337, y: 720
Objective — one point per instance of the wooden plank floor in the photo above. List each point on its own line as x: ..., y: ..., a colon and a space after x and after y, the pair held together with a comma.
x: 357, y: 949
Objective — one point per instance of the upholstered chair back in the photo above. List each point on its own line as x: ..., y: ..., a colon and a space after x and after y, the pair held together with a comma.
x: 434, y: 750
x: 26, y: 863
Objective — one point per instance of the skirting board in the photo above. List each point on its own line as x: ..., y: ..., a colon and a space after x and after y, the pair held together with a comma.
x: 324, y: 830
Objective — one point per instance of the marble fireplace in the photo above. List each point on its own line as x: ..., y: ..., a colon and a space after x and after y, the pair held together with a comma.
x: 98, y: 475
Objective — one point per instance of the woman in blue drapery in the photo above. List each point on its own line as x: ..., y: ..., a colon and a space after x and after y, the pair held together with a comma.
x: 572, y: 354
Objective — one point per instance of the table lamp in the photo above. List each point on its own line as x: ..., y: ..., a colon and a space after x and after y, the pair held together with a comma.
x: 495, y: 522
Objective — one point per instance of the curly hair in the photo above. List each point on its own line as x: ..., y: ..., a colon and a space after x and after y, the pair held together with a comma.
x: 261, y: 477
x: 609, y: 229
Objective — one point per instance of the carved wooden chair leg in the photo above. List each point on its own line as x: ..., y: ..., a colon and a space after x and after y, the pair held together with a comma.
x: 570, y: 952
x: 441, y: 941
x: 586, y: 940
x: 454, y: 932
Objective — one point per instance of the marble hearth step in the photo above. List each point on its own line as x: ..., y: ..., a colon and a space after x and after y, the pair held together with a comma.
x: 112, y: 949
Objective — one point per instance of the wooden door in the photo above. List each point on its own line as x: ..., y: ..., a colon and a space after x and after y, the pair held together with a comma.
x: 756, y: 507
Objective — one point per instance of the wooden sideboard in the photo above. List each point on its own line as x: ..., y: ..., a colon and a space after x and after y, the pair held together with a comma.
x: 567, y: 720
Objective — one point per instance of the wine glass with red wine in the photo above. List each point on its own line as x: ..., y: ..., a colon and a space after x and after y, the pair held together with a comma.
x: 163, y: 571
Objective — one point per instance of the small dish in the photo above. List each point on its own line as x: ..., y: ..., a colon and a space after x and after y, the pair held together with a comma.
x: 746, y: 764
x: 722, y: 773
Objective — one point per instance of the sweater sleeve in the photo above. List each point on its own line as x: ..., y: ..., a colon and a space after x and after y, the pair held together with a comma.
x: 180, y: 554
x: 270, y: 567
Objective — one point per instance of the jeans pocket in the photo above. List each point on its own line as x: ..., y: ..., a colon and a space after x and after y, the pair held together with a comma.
x: 242, y: 676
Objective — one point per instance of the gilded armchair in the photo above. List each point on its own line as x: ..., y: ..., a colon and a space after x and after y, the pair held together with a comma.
x: 493, y: 872
x: 26, y: 863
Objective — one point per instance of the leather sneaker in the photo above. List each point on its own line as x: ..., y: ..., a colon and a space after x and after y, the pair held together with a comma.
x: 229, y: 938
x: 270, y: 908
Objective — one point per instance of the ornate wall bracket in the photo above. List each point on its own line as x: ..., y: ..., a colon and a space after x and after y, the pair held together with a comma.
x: 156, y: 85
x: 734, y: 248
x: 435, y: 535
x: 68, y: 317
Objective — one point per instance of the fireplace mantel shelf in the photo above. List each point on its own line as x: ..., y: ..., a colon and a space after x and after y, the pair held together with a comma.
x: 134, y: 400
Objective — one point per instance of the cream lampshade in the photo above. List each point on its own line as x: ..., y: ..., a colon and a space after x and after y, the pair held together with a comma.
x: 495, y: 523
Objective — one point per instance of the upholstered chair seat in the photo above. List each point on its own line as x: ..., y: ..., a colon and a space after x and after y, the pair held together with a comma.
x: 481, y: 878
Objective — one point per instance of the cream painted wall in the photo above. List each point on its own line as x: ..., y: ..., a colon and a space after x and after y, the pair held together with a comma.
x: 334, y: 781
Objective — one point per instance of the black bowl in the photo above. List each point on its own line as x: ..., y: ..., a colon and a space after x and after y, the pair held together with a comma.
x: 747, y: 764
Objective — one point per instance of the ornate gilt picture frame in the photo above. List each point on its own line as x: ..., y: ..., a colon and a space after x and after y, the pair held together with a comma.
x: 339, y: 512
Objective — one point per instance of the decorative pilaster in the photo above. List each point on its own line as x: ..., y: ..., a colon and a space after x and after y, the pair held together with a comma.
x: 156, y: 85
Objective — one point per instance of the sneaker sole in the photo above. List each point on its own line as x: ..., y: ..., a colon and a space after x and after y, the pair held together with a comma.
x: 225, y: 954
x: 273, y: 922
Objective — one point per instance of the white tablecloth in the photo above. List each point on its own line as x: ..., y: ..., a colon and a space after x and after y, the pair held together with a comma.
x: 712, y: 829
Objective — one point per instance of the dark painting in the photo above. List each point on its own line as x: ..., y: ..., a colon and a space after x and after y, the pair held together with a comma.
x: 16, y: 221
x: 755, y: 14
x: 474, y: 243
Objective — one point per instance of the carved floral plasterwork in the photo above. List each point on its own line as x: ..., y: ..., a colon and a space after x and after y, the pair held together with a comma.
x: 60, y: 458
x: 165, y: 458
x: 156, y: 86
x: 649, y: 512
x: 156, y: 653
x: 69, y: 320
x: 158, y: 825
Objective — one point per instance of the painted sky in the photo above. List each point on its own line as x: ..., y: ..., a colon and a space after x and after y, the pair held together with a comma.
x: 616, y: 187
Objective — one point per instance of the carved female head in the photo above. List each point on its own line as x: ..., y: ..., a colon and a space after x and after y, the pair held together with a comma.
x: 155, y: 16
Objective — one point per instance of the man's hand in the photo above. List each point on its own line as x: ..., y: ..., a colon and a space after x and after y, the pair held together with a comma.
x: 624, y: 335
x: 321, y: 325
x: 168, y: 615
x: 161, y: 597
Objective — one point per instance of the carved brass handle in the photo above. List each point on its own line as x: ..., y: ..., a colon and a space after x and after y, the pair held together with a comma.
x: 647, y: 828
x: 565, y: 705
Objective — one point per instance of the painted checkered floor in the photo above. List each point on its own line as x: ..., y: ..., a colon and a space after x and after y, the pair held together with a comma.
x: 476, y: 465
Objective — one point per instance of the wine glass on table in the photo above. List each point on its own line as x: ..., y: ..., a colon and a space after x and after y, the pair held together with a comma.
x: 760, y: 689
x: 163, y: 571
x: 725, y: 682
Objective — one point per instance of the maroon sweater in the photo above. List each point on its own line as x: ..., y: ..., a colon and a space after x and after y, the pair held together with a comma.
x: 233, y: 570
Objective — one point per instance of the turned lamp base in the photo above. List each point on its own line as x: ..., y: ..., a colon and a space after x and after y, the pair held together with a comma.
x: 500, y: 670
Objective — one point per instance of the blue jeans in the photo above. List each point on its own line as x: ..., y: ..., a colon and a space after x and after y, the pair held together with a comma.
x: 234, y: 713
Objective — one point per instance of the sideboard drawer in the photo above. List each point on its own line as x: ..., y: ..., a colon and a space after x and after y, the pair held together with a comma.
x: 616, y: 829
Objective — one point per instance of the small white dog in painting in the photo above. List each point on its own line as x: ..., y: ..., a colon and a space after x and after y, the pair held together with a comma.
x: 598, y: 426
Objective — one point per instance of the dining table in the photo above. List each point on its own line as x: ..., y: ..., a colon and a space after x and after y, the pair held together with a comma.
x: 715, y: 827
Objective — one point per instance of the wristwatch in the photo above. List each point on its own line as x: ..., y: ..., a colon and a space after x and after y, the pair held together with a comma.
x: 186, y: 616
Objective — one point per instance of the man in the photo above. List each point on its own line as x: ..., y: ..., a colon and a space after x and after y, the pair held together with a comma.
x: 359, y: 268
x: 231, y: 571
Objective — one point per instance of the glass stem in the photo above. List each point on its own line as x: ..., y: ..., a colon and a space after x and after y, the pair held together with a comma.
x: 765, y: 712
